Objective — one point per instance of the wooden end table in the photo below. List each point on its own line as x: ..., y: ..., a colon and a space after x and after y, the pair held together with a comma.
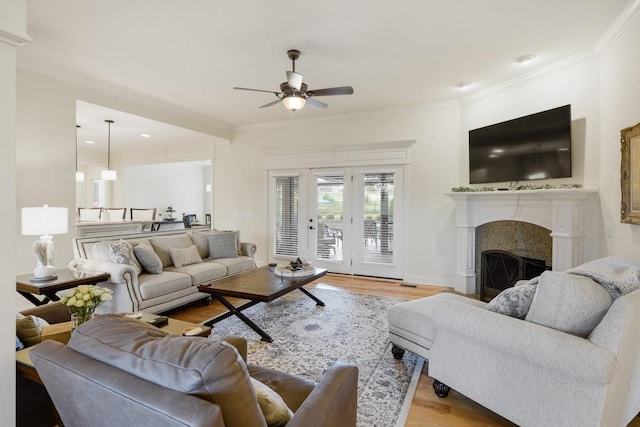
x: 28, y: 287
x: 259, y: 285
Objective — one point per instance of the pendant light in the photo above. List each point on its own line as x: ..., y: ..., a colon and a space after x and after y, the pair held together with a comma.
x: 79, y: 175
x: 108, y: 174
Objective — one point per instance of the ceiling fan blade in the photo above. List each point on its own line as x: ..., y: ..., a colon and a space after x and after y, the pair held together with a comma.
x: 294, y: 79
x: 342, y: 90
x: 270, y: 104
x: 257, y: 90
x: 315, y: 104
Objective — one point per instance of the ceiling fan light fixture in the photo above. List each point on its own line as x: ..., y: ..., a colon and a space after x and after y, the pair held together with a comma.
x: 293, y: 103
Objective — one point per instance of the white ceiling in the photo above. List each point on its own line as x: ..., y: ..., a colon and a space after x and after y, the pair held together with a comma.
x: 190, y: 54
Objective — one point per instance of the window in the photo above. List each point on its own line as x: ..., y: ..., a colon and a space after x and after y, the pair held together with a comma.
x: 286, y: 216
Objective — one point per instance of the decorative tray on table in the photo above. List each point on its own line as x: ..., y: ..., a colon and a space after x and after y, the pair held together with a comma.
x: 295, y: 269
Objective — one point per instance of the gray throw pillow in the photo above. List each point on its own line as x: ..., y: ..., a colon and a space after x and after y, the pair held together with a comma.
x: 149, y: 260
x: 514, y: 302
x: 223, y: 245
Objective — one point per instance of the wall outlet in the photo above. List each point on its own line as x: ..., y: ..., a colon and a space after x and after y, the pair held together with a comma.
x: 608, y: 229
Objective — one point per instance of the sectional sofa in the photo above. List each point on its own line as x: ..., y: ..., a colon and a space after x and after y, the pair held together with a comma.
x: 159, y: 271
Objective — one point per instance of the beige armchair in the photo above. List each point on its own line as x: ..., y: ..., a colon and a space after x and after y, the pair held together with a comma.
x: 119, y: 371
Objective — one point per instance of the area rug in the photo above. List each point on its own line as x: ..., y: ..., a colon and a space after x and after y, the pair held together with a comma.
x: 351, y: 328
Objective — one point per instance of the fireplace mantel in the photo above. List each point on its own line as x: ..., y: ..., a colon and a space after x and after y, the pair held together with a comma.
x: 572, y: 215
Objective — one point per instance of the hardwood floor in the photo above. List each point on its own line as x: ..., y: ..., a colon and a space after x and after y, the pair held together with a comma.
x: 427, y: 410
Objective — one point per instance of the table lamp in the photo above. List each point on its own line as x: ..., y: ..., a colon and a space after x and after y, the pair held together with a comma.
x: 44, y: 221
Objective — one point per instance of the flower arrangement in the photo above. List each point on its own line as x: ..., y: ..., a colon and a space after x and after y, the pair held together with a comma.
x: 83, y: 300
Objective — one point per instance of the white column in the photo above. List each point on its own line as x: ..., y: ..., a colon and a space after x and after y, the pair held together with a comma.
x: 13, y: 24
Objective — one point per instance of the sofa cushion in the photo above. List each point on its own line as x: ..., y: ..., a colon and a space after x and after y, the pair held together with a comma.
x: 155, y: 285
x: 276, y: 412
x: 237, y: 264
x: 202, y: 272
x: 514, y: 302
x: 223, y: 245
x: 201, y: 240
x: 211, y: 370
x: 569, y: 303
x: 121, y: 252
x: 163, y: 244
x: 184, y: 256
x: 149, y: 260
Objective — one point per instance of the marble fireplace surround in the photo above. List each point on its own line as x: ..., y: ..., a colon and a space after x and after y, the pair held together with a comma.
x: 572, y: 215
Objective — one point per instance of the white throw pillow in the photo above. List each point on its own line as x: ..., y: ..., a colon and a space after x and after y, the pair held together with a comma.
x: 275, y: 410
x: 569, y: 303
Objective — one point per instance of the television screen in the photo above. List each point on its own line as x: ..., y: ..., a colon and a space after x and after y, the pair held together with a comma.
x: 537, y: 146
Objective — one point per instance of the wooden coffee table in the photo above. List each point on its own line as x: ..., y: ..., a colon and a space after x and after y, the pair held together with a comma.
x: 259, y: 285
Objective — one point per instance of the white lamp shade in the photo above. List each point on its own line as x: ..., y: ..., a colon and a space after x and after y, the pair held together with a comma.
x: 293, y: 103
x: 109, y: 175
x: 79, y: 176
x: 44, y: 220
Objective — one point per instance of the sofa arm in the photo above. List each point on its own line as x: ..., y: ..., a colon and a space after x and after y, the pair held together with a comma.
x: 248, y: 249
x: 120, y: 273
x: 333, y: 402
x: 534, y: 344
x: 124, y: 284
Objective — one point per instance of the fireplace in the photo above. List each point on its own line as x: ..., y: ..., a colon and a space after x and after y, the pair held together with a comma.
x: 571, y: 215
x: 502, y: 269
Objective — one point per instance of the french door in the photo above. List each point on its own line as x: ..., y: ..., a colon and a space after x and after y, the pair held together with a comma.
x: 347, y: 220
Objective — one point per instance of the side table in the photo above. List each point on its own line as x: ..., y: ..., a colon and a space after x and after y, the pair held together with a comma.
x: 27, y: 287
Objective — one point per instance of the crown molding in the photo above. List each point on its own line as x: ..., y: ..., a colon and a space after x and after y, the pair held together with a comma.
x: 15, y: 40
x: 618, y: 27
x: 578, y: 59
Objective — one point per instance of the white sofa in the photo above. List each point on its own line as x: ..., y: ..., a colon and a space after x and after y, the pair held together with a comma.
x: 136, y: 289
x: 571, y: 359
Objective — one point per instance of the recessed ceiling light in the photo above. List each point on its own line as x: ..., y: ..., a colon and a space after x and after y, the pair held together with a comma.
x: 89, y: 142
x: 498, y: 150
x: 145, y: 135
x: 464, y: 85
x: 524, y: 59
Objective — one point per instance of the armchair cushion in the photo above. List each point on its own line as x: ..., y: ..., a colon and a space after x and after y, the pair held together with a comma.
x: 211, y: 370
x: 568, y: 303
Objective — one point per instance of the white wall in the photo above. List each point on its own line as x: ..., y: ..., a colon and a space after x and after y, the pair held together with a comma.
x: 180, y: 185
x: 619, y: 108
x: 240, y: 177
x: 13, y: 23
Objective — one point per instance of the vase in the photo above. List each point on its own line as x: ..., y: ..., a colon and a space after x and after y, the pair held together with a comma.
x: 78, y: 319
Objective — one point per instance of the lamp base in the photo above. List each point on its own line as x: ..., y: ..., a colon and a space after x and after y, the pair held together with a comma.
x: 44, y: 272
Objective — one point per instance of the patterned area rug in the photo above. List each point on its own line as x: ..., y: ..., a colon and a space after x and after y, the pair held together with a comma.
x: 351, y: 328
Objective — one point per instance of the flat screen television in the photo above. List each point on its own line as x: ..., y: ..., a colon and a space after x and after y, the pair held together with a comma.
x: 537, y: 146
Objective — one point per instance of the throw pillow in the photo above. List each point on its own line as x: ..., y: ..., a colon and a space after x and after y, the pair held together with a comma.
x: 29, y: 330
x: 569, y: 303
x: 514, y: 302
x: 184, y: 256
x: 275, y: 410
x: 234, y: 232
x: 121, y: 252
x: 149, y: 260
x: 223, y: 245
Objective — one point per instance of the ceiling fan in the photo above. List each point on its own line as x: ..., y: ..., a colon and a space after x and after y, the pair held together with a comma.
x: 294, y: 94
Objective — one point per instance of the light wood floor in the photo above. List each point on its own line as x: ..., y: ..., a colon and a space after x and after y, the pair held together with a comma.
x: 426, y: 409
